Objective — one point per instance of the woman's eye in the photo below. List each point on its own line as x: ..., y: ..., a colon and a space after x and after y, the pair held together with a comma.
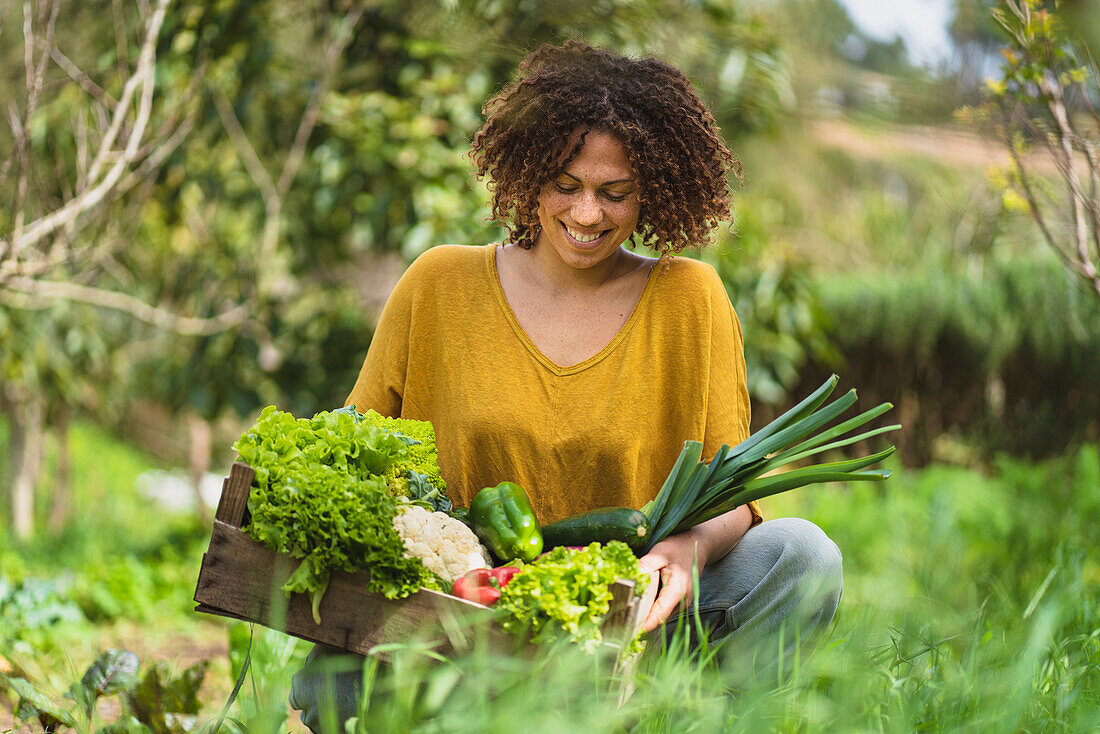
x: 565, y: 189
x: 616, y: 197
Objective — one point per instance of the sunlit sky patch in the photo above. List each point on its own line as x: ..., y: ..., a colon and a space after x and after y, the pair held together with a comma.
x: 921, y: 23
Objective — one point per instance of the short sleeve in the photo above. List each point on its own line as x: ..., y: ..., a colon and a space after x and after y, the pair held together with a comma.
x: 381, y: 382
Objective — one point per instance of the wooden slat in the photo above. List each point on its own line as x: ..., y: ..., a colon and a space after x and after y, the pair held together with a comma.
x: 241, y: 578
x: 234, y: 499
x: 620, y: 616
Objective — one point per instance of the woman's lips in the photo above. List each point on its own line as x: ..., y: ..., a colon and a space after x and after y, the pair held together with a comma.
x: 582, y: 243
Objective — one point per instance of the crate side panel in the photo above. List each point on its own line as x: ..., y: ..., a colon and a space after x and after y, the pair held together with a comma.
x: 241, y: 578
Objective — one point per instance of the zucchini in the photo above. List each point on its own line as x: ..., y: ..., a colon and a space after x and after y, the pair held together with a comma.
x: 607, y: 523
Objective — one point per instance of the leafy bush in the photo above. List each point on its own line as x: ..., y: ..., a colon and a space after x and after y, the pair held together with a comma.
x: 160, y: 702
x: 30, y: 608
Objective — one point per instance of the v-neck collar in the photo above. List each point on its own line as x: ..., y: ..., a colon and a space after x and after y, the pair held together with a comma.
x: 549, y: 364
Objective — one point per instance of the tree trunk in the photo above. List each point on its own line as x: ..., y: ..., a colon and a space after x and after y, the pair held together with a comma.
x: 199, y: 460
x: 61, y: 501
x: 26, y: 449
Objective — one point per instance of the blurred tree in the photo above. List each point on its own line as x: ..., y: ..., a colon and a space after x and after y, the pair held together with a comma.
x: 976, y: 36
x: 1045, y: 95
x: 83, y: 137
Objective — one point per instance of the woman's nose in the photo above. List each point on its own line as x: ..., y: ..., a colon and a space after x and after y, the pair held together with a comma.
x: 586, y: 210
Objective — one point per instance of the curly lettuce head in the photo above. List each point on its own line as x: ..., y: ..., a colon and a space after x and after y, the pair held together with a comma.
x: 568, y: 591
x: 320, y: 495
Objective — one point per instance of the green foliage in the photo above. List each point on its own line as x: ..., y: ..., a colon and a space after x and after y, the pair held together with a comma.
x: 417, y: 476
x: 272, y: 658
x: 160, y: 697
x: 30, y: 608
x: 320, y: 495
x: 1041, y: 46
x: 1008, y: 356
x: 62, y: 352
x: 161, y: 702
x: 567, y: 592
x: 782, y: 320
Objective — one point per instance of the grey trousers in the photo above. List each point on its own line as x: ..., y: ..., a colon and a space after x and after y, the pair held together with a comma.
x: 760, y: 605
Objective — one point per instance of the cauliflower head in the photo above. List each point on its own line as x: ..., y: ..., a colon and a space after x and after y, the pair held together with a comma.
x: 443, y: 544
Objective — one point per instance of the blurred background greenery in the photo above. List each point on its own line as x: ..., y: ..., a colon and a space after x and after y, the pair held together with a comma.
x: 206, y: 204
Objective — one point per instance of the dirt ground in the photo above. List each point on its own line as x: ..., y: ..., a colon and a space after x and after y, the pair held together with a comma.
x: 950, y: 144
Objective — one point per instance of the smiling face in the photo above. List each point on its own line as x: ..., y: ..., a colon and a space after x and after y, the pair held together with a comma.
x: 592, y: 206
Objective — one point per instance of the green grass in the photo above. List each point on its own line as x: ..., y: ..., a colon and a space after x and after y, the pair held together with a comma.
x: 121, y: 560
x: 972, y: 603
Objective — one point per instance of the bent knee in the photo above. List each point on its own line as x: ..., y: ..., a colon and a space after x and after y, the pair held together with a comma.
x: 805, y: 551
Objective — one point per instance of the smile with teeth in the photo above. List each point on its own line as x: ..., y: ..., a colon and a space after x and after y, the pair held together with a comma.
x: 585, y: 238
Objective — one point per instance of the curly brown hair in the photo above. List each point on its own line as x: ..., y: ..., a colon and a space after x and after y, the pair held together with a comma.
x: 671, y: 139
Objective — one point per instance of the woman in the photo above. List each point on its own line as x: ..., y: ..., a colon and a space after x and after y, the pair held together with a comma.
x: 577, y: 368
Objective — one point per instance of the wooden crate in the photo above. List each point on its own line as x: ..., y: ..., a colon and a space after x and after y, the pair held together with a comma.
x: 242, y: 579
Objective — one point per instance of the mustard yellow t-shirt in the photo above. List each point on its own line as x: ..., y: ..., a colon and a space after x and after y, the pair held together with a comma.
x: 603, y: 432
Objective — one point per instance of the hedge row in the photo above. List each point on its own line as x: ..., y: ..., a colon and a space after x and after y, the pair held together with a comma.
x: 1008, y: 355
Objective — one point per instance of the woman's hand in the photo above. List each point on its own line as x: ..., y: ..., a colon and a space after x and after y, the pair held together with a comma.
x: 673, y: 557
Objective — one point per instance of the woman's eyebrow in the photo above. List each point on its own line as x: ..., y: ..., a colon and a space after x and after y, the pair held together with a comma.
x: 606, y: 183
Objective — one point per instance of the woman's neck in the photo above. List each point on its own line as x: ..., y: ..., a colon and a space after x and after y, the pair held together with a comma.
x: 548, y: 271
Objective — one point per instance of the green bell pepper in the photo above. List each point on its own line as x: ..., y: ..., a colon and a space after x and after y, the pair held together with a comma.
x: 502, y: 517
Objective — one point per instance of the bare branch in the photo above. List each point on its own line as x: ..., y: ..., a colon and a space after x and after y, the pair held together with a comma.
x: 1029, y: 195
x: 92, y: 197
x: 119, y: 24
x: 153, y: 315
x: 17, y: 132
x: 80, y: 136
x: 252, y: 163
x: 145, y: 63
x: 98, y: 93
x: 1065, y: 135
x: 341, y: 36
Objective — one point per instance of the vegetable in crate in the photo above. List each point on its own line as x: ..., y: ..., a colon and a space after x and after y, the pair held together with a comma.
x: 695, y: 492
x: 323, y: 492
x: 483, y: 585
x: 502, y: 517
x: 417, y: 476
x: 599, y: 526
x: 446, y: 546
x: 568, y: 591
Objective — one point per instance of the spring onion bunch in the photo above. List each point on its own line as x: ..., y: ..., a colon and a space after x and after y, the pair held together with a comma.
x: 695, y: 491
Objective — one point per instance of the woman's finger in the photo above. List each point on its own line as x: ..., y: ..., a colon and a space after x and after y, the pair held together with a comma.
x: 672, y: 592
x: 651, y: 562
